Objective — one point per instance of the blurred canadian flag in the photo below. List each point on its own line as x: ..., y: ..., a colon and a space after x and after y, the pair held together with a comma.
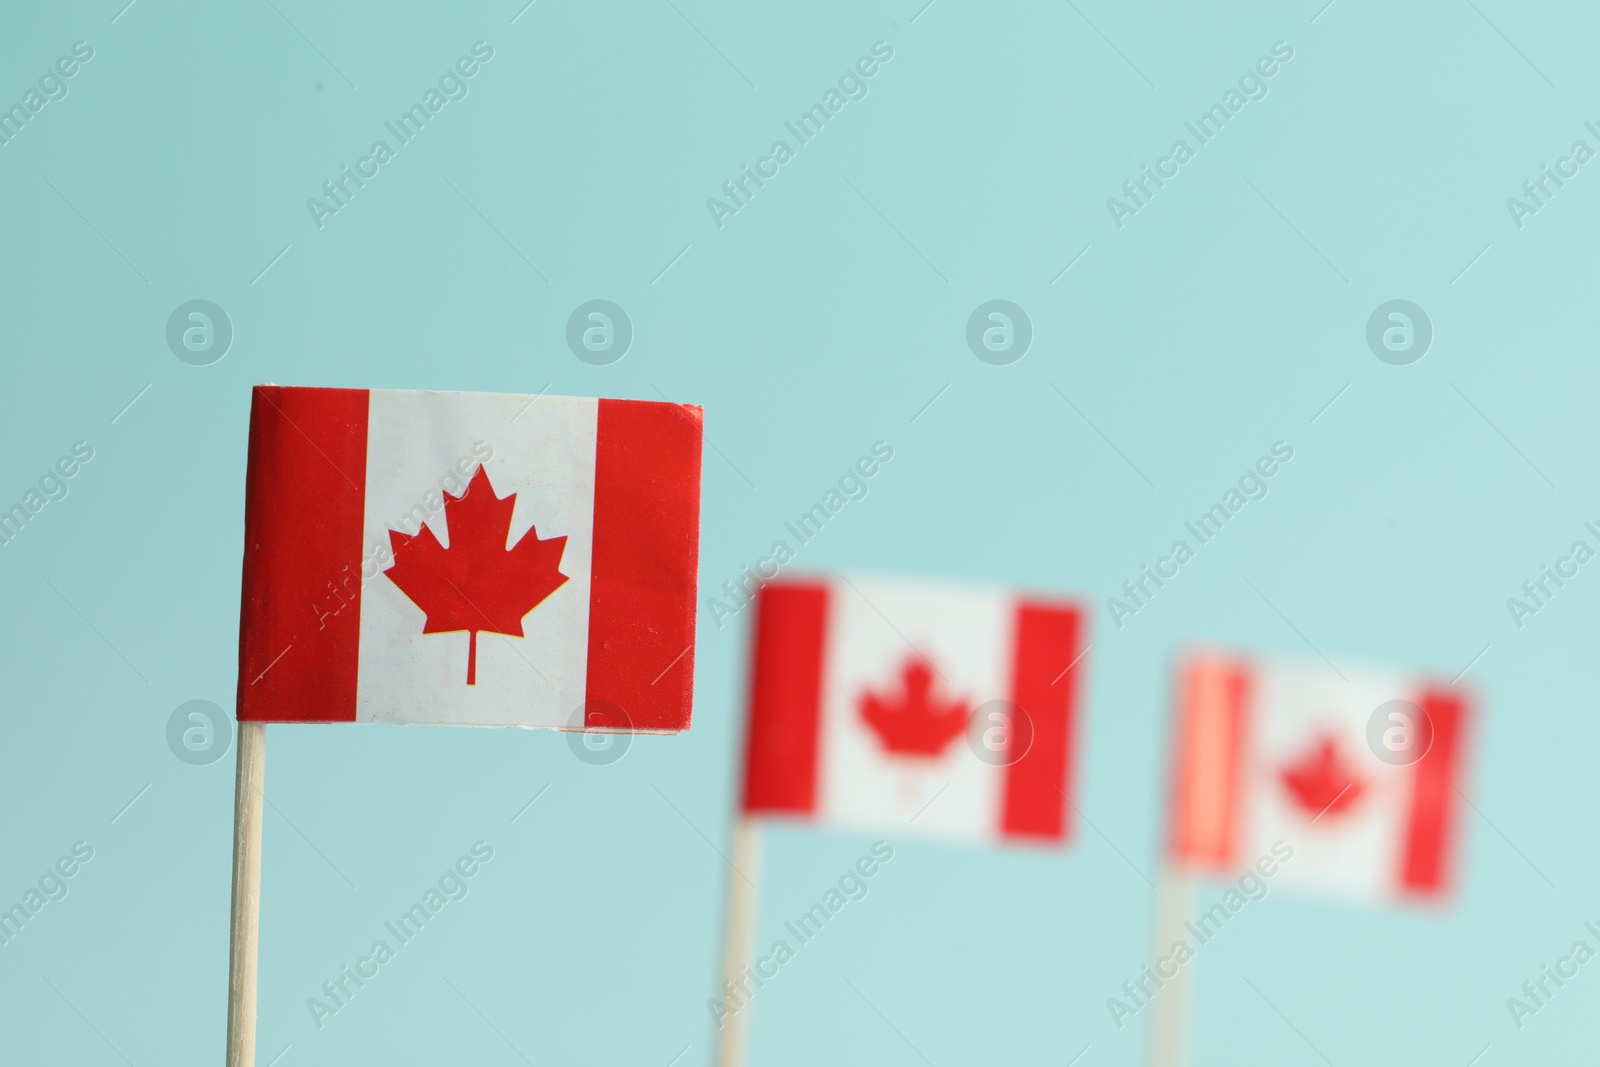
x: 1357, y: 773
x: 928, y: 708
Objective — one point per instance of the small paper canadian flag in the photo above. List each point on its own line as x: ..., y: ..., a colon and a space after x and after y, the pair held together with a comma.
x: 471, y: 559
x: 1357, y: 774
x: 917, y: 707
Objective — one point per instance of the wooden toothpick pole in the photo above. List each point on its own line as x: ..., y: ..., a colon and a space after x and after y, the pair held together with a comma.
x: 246, y: 919
x: 1169, y: 1008
x: 734, y: 1036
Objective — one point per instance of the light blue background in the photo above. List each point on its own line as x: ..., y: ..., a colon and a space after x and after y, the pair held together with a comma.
x: 809, y: 326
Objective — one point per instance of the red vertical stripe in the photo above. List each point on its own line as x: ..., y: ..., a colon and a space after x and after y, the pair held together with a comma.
x: 1207, y: 772
x: 1430, y: 832
x: 645, y: 564
x: 1045, y: 686
x: 300, y: 612
x: 785, y: 698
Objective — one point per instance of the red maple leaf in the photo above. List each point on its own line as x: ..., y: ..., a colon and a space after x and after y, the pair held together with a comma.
x: 1320, y: 781
x: 915, y: 723
x: 477, y: 583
